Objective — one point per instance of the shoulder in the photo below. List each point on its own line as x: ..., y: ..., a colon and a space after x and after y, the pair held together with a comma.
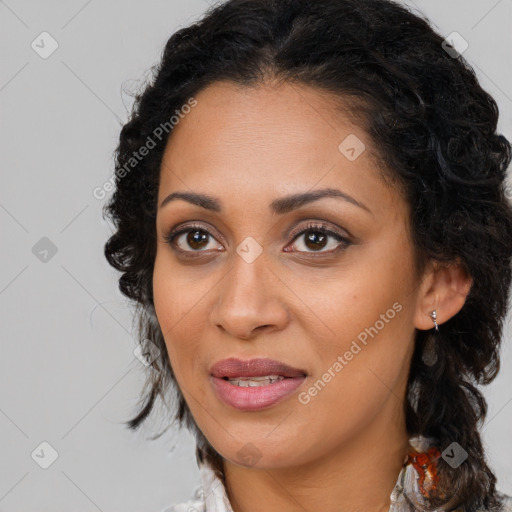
x: 196, y: 505
x: 507, y: 502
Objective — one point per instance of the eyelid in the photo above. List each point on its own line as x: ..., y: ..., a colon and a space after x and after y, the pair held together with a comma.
x: 183, y: 228
x: 317, y: 224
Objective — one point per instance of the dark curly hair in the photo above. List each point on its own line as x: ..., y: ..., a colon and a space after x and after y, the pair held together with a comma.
x: 434, y: 128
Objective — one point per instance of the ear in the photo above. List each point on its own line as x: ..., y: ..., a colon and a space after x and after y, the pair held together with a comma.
x: 444, y: 287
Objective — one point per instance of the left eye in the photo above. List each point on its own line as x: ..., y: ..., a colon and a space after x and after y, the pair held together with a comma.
x: 317, y: 238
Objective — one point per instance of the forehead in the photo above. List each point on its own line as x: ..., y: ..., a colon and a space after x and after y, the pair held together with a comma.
x: 267, y: 141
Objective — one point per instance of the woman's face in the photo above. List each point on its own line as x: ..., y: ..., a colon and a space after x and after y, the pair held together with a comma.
x: 255, y: 277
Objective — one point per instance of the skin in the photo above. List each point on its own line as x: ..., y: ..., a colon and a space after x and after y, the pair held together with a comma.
x: 342, y: 451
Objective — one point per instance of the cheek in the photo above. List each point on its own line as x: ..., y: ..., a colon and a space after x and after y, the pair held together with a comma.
x: 179, y: 293
x: 372, y: 292
x: 365, y: 338
x: 360, y: 371
x: 177, y: 312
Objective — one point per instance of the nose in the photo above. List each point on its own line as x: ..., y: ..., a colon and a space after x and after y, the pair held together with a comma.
x: 250, y: 300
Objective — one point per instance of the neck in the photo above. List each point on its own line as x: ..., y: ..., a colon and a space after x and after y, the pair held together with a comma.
x: 358, y: 476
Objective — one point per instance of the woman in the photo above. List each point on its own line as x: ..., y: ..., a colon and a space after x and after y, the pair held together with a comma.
x: 310, y: 214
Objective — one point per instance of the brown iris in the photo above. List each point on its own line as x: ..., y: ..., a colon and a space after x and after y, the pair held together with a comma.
x: 317, y: 238
x: 196, y: 239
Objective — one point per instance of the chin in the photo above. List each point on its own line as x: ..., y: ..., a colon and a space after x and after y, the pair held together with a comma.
x: 260, y: 451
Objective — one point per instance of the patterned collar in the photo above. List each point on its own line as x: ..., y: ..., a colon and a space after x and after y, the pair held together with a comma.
x: 405, y: 497
x: 213, y: 497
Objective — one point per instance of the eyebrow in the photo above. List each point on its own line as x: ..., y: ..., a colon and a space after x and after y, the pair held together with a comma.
x: 280, y: 206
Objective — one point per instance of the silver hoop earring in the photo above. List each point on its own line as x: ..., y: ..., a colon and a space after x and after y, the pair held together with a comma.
x: 433, y: 314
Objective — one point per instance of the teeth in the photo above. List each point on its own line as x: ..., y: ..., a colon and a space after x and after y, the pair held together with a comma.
x: 245, y: 382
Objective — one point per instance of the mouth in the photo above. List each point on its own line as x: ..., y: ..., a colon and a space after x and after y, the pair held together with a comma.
x: 254, y: 384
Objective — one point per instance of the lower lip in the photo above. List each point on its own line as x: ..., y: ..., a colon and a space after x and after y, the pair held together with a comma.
x: 255, y: 397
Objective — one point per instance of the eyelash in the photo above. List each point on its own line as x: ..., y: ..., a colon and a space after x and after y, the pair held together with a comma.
x: 295, y: 234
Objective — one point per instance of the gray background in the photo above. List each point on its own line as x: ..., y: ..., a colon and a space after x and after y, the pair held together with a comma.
x: 68, y: 373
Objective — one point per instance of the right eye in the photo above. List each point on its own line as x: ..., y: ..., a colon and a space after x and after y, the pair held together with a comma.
x: 191, y: 237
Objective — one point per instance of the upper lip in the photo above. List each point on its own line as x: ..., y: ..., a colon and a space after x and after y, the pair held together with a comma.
x: 258, y: 367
